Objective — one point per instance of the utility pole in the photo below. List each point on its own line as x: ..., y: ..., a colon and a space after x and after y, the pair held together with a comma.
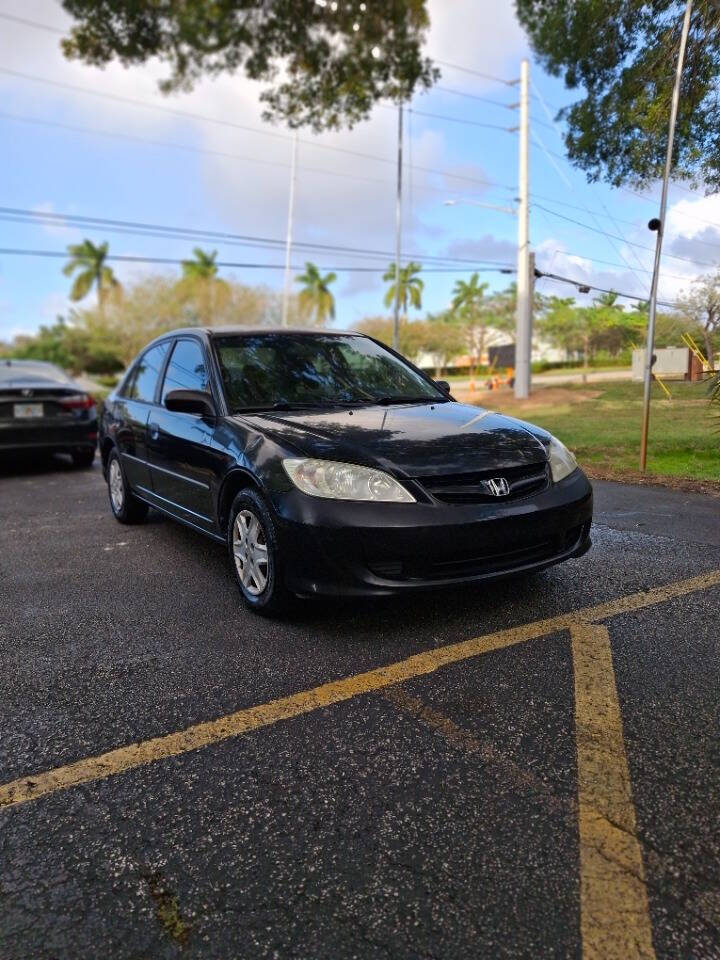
x: 659, y: 225
x: 288, y: 239
x: 398, y: 231
x: 523, y: 316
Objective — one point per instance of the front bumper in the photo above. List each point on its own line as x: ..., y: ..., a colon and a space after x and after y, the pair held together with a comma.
x: 342, y: 548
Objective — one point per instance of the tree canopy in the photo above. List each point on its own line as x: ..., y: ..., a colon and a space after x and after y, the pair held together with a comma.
x: 326, y: 64
x: 621, y: 55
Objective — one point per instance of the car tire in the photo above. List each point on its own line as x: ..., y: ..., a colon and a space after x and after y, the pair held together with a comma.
x: 255, y: 557
x: 83, y: 459
x: 126, y: 507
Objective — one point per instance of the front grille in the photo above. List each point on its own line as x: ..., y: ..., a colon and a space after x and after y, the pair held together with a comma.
x: 430, y: 569
x: 475, y: 487
x: 475, y: 562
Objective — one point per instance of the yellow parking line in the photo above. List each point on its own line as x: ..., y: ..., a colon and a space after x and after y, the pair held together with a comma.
x: 253, y: 718
x: 614, y: 915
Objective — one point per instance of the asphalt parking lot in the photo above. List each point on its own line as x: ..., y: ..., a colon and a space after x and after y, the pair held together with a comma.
x: 528, y: 769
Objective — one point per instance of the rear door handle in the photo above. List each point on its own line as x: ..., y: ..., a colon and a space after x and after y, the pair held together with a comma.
x: 154, y: 430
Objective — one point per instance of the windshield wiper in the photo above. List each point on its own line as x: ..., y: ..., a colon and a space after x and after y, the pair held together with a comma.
x: 386, y: 401
x: 297, y: 405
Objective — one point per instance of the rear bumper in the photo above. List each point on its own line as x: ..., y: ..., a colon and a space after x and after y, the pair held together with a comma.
x: 340, y: 548
x: 50, y: 438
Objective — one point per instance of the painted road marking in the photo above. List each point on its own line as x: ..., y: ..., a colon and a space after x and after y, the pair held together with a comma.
x: 253, y: 718
x: 462, y: 739
x: 614, y: 913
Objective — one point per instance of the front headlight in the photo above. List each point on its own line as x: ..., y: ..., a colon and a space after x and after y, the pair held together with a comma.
x: 345, y: 481
x: 562, y: 462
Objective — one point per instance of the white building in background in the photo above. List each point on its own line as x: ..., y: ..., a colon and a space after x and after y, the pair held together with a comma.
x: 673, y: 363
x: 541, y: 351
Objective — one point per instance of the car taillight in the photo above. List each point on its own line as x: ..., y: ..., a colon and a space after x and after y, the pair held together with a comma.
x: 77, y: 401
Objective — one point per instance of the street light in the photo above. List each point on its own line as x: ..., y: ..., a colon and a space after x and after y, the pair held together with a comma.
x: 477, y: 203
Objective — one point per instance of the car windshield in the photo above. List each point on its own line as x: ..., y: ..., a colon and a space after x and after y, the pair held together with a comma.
x: 273, y: 370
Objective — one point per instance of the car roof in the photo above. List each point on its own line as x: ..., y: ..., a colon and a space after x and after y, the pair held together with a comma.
x: 212, y: 332
x: 305, y: 331
x: 10, y: 368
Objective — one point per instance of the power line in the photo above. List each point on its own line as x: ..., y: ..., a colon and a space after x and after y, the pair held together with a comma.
x: 630, y: 223
x: 127, y: 258
x: 630, y: 243
x: 228, y: 123
x: 474, y: 96
x: 476, y: 73
x: 569, y: 184
x: 74, y: 128
x: 470, y: 123
x: 566, y: 180
x: 610, y: 263
x: 650, y: 200
x: 164, y: 231
x: 31, y: 23
x: 590, y: 286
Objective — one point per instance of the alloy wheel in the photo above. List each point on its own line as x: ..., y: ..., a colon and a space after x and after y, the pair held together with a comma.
x: 250, y: 551
x: 117, y: 487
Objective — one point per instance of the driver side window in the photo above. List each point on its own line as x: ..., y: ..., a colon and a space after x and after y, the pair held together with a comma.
x: 187, y: 369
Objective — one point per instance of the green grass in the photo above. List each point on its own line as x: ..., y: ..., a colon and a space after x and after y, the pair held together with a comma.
x: 604, y: 432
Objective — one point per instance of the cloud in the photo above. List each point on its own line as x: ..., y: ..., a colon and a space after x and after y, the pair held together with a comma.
x: 486, y: 247
x: 480, y: 34
x: 693, y: 232
x: 253, y: 191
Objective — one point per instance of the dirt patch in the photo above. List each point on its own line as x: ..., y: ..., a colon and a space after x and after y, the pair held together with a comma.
x: 545, y: 397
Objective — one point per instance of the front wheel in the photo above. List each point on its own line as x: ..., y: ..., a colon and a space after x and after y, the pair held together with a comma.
x: 255, y: 555
x: 125, y: 506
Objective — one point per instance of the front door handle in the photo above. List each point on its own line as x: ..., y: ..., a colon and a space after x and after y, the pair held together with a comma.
x: 154, y: 430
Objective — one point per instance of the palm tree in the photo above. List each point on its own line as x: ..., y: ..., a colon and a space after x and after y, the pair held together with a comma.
x: 315, y: 299
x: 467, y: 306
x: 90, y: 261
x: 468, y: 297
x: 203, y: 267
x: 201, y: 287
x: 410, y: 287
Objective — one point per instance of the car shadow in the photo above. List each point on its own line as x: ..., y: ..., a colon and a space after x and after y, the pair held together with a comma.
x: 39, y: 464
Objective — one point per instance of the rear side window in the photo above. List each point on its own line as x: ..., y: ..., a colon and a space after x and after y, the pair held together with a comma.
x: 187, y: 369
x: 144, y: 377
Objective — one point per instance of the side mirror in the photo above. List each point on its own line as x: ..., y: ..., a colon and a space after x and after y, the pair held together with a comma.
x: 190, y: 401
x: 443, y: 385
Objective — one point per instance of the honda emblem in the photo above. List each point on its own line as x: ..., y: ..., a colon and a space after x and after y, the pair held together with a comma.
x: 498, y: 487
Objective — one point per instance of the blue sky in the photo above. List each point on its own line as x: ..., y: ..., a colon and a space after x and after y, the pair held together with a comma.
x: 204, y: 175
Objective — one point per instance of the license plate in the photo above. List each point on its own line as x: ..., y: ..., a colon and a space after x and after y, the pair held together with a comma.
x: 25, y: 411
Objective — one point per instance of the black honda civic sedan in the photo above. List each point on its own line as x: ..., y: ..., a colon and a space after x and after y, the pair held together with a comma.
x: 329, y: 464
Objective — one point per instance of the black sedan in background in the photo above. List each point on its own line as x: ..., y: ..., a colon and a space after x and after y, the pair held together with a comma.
x: 328, y: 464
x: 43, y: 409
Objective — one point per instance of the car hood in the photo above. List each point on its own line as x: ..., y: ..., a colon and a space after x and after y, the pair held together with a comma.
x: 416, y: 440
